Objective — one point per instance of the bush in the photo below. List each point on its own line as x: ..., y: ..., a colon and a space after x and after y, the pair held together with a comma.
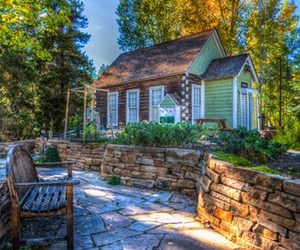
x: 160, y: 135
x: 51, y: 155
x: 114, y: 180
x: 290, y: 136
x: 250, y: 145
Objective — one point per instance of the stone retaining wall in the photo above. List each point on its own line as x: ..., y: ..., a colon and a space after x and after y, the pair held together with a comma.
x: 87, y: 155
x: 255, y: 210
x: 169, y: 169
x: 28, y: 144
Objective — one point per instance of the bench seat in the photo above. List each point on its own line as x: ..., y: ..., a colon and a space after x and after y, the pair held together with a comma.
x: 44, y: 199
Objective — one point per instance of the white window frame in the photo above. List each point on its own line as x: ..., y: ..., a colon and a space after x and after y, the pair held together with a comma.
x: 127, y: 103
x: 150, y: 98
x: 117, y: 108
x: 194, y: 86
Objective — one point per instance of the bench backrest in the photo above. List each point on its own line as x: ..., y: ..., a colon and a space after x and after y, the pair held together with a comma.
x: 20, y: 167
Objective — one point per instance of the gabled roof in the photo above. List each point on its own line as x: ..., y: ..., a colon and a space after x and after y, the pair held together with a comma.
x: 159, y: 60
x: 174, y: 98
x: 228, y: 67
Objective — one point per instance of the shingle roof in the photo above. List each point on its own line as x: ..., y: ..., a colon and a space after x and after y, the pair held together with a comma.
x: 225, y: 67
x: 159, y: 60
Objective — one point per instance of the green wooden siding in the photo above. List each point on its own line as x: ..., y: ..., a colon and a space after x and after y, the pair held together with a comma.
x: 167, y: 103
x: 246, y: 76
x: 218, y: 99
x: 206, y: 55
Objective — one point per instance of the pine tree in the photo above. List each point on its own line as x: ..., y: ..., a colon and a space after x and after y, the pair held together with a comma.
x: 69, y: 68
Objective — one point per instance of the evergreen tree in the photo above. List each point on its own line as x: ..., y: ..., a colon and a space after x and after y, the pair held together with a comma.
x: 102, y: 69
x: 69, y: 68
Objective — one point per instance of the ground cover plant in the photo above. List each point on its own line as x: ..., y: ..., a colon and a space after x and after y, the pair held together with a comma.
x: 242, y: 162
x: 250, y: 145
x: 161, y: 135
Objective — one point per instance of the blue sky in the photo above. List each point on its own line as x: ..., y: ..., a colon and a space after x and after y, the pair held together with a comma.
x: 103, y: 46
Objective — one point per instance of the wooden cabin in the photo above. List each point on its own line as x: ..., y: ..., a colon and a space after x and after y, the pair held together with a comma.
x: 180, y: 80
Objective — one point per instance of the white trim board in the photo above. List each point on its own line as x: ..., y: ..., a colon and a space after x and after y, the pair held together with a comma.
x: 249, y: 62
x: 219, y: 44
x: 202, y: 98
x: 234, y: 103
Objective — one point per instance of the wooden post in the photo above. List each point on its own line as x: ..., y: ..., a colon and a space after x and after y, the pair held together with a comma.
x: 93, y: 99
x: 67, y: 114
x: 70, y: 233
x: 84, y: 114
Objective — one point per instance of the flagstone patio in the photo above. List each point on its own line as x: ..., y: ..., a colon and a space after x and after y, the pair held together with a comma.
x: 120, y: 217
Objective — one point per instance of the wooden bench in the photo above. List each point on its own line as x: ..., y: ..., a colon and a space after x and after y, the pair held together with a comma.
x: 220, y: 122
x: 33, y: 197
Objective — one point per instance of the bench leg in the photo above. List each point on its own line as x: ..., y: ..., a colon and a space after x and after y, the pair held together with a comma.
x: 16, y: 230
x: 70, y: 234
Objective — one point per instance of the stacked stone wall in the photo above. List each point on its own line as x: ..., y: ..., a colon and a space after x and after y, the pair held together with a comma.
x: 169, y: 169
x: 28, y: 144
x: 88, y: 156
x: 253, y: 209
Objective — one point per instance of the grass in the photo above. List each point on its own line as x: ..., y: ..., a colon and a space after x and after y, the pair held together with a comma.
x: 236, y: 160
x: 242, y: 162
x: 264, y: 169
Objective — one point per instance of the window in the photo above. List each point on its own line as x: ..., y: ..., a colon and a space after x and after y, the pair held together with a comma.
x: 132, y: 105
x: 196, y: 102
x: 112, y: 109
x: 156, y: 95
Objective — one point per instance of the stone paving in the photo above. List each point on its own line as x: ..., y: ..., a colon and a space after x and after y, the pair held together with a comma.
x: 120, y: 217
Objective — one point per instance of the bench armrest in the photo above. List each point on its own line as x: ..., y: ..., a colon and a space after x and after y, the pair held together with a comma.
x: 69, y: 165
x: 20, y: 185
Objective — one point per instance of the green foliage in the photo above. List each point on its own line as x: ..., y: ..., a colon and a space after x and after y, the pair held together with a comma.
x: 236, y: 160
x: 114, y: 180
x: 90, y: 131
x: 265, y: 169
x: 290, y: 136
x: 51, y: 155
x: 250, y: 145
x: 242, y: 162
x: 41, y: 57
x: 160, y: 135
x: 102, y: 69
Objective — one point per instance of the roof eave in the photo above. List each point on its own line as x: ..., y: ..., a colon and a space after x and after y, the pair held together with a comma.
x: 138, y: 80
x: 253, y: 71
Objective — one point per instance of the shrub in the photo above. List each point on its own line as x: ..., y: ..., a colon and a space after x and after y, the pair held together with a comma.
x: 290, y: 136
x: 157, y: 134
x: 114, y: 180
x: 51, y: 155
x: 250, y: 145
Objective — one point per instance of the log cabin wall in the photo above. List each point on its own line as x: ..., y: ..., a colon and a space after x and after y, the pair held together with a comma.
x: 172, y: 84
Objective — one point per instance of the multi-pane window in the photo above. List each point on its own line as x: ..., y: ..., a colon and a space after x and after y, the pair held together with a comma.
x: 132, y: 110
x: 113, y: 109
x: 196, y: 102
x: 156, y: 96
